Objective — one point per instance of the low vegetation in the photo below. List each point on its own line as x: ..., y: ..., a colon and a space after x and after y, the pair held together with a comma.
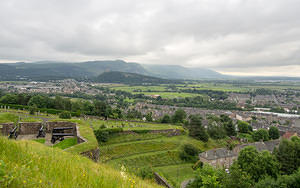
x: 30, y: 164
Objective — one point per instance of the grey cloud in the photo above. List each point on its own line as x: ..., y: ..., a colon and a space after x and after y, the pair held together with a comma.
x: 223, y: 35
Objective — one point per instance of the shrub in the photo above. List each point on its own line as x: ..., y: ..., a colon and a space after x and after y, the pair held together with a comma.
x: 260, y: 134
x: 198, y: 164
x: 65, y: 115
x: 216, y: 132
x: 145, y: 173
x: 243, y: 127
x: 274, y: 133
x: 190, y: 149
x: 189, y: 153
x: 102, y: 135
x: 32, y: 110
x: 102, y: 126
x: 166, y: 119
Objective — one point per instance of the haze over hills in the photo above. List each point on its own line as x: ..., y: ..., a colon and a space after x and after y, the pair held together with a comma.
x: 47, y: 70
x: 130, y: 78
x: 54, y: 70
x: 180, y: 72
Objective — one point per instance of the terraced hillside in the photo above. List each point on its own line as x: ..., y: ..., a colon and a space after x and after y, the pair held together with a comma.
x: 142, y: 149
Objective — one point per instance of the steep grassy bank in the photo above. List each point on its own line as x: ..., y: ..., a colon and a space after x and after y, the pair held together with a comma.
x: 31, y: 164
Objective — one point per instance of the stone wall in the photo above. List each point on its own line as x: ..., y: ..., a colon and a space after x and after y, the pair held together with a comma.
x: 5, y: 128
x: 161, y: 181
x: 26, y: 128
x: 55, y: 124
x: 225, y: 162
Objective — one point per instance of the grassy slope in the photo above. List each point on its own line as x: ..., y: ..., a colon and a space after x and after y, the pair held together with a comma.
x: 30, y: 164
x: 8, y: 117
x: 84, y: 127
x: 176, y: 174
x: 132, y: 125
x: 66, y: 143
x: 155, y: 151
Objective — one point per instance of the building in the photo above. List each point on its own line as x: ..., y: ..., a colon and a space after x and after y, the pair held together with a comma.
x: 223, y: 157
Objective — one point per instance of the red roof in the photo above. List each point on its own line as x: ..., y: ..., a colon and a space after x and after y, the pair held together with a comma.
x: 288, y: 135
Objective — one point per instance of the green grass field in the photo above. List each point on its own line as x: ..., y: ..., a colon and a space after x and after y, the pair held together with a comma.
x: 30, y: 164
x: 66, y: 143
x: 40, y: 140
x: 176, y: 174
x: 126, y: 125
x: 8, y: 117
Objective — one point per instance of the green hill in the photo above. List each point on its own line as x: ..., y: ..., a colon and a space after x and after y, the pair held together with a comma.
x: 31, y: 164
x: 155, y: 152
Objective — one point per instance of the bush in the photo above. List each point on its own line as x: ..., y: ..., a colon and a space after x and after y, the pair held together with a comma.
x: 102, y: 135
x: 216, y: 132
x: 198, y: 164
x: 145, y: 173
x: 102, y: 126
x: 189, y: 153
x: 166, y: 119
x: 274, y: 133
x: 65, y: 115
x: 32, y: 110
x: 243, y: 127
x: 260, y: 134
x: 190, y: 149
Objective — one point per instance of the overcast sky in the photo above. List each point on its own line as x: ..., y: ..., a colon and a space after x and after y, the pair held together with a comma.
x: 244, y: 37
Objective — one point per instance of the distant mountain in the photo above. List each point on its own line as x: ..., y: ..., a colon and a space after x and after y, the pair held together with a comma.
x: 55, y: 70
x: 98, y: 67
x: 130, y: 78
x: 179, y: 72
x: 41, y: 72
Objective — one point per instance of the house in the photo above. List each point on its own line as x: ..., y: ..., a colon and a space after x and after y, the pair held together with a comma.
x: 288, y: 135
x: 223, y: 157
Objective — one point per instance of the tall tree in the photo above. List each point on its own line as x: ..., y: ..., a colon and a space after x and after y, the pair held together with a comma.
x: 288, y: 155
x: 179, y: 116
x: 260, y: 134
x: 228, y: 125
x: 274, y: 133
x: 258, y: 165
x: 196, y: 129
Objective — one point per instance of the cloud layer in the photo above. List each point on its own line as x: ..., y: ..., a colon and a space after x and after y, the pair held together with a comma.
x: 232, y: 36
